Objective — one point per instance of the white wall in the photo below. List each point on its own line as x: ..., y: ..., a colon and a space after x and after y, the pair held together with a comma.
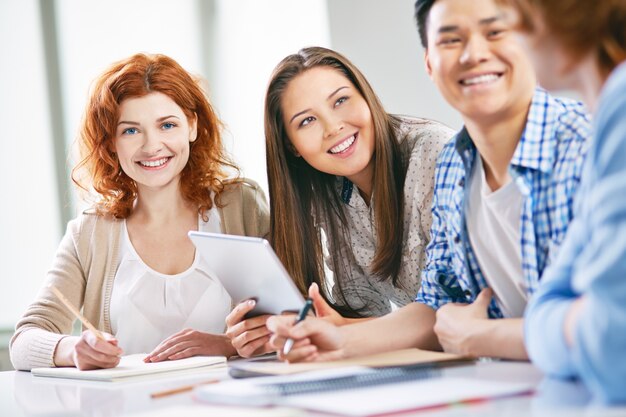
x: 381, y: 38
x: 233, y: 43
x: 93, y: 34
x: 29, y: 213
x: 251, y: 37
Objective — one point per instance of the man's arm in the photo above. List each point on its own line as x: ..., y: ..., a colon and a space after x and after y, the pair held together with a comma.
x: 466, y: 329
x: 500, y: 338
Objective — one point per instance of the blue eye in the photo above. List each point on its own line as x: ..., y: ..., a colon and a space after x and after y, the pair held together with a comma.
x: 306, y: 121
x: 168, y: 125
x: 130, y: 131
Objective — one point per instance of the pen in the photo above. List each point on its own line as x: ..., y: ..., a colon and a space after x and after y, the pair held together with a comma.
x: 186, y: 388
x: 301, y: 316
x: 76, y: 313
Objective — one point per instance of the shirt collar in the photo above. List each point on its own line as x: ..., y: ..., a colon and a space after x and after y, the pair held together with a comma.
x: 535, y: 149
x: 346, y: 190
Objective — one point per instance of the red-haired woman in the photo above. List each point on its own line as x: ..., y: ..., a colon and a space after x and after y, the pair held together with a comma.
x: 151, y: 149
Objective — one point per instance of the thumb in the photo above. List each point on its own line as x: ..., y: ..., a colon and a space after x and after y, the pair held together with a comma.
x: 322, y: 309
x: 484, y: 298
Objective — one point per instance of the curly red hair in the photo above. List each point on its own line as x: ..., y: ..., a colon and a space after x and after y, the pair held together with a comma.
x: 137, y: 76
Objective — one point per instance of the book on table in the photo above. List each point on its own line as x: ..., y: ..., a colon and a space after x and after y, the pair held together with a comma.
x: 360, y: 391
x: 269, y: 365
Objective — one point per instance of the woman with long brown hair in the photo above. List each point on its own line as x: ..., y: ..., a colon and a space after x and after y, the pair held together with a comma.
x: 350, y: 192
x: 152, y: 153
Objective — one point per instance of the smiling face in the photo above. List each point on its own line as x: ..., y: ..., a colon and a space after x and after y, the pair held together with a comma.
x: 329, y: 124
x: 152, y: 140
x: 476, y: 61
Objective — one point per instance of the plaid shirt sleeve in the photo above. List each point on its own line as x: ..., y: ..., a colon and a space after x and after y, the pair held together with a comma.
x: 439, y: 282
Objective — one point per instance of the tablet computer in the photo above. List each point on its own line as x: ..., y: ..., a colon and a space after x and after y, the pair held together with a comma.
x: 249, y: 268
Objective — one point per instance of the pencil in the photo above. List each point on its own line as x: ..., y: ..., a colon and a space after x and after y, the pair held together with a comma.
x: 185, y: 388
x: 76, y: 313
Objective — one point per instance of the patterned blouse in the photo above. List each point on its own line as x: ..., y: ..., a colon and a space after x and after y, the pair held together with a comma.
x: 421, y: 141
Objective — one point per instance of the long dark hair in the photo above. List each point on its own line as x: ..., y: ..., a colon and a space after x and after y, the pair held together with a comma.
x: 300, y: 195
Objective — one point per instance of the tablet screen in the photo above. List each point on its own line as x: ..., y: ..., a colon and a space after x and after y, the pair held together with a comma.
x: 249, y: 268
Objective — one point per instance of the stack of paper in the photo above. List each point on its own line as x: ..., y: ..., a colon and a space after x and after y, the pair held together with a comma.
x: 394, y: 358
x: 428, y: 389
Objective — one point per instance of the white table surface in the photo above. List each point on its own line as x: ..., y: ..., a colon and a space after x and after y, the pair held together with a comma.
x: 21, y: 394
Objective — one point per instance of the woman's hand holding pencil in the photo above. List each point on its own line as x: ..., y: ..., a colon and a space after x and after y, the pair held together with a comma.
x: 93, y: 349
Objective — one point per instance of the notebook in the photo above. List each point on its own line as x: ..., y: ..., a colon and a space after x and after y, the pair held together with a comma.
x: 132, y: 366
x: 358, y: 391
x: 271, y: 366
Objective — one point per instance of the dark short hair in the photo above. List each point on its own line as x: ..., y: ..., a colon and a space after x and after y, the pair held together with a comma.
x: 422, y: 11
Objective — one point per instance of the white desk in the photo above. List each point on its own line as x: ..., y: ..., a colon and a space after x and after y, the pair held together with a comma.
x: 21, y: 394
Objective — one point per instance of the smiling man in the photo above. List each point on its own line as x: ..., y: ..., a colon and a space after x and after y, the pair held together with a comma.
x: 504, y: 186
x: 504, y: 190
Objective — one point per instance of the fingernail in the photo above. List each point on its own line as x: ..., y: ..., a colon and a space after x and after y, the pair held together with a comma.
x: 251, y: 302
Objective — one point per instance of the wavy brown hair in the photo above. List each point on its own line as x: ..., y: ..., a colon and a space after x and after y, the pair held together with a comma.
x: 99, y: 167
x: 300, y: 195
x: 581, y: 26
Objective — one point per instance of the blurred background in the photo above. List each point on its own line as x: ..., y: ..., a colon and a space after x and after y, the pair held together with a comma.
x: 53, y: 49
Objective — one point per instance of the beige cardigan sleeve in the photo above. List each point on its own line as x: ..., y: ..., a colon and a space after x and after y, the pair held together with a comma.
x: 244, y: 209
x: 46, y: 321
x: 83, y: 271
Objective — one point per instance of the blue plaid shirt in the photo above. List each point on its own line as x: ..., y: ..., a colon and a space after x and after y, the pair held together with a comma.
x: 546, y: 166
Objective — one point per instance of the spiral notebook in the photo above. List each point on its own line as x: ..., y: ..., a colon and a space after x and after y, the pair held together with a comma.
x: 359, y: 391
x: 271, y: 366
x: 133, y: 366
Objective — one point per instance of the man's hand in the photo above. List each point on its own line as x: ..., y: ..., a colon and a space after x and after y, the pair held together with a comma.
x: 457, y: 324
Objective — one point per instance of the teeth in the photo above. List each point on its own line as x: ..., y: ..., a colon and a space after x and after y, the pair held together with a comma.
x: 156, y: 163
x: 343, y: 145
x: 480, y: 79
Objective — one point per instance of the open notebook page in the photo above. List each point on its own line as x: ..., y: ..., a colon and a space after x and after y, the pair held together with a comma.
x: 130, y: 366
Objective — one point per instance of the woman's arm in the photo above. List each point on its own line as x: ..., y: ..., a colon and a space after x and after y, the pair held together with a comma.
x: 319, y: 340
x: 47, y: 321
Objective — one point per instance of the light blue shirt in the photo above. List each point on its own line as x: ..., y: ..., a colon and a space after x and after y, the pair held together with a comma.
x: 591, y: 263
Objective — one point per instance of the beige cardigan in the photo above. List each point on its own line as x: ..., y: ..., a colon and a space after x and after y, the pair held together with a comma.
x: 84, y: 269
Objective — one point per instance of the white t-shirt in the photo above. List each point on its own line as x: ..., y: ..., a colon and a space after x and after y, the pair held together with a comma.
x: 147, y: 307
x: 493, y: 224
